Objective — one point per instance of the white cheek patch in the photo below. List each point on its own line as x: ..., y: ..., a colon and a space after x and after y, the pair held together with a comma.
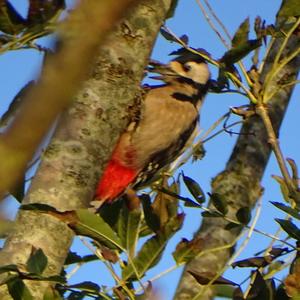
x: 198, y: 72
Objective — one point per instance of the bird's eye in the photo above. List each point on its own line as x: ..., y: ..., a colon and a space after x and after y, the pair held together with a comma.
x: 186, y: 67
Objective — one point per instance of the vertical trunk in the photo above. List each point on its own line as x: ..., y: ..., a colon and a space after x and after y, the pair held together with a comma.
x: 86, y: 133
x: 239, y: 183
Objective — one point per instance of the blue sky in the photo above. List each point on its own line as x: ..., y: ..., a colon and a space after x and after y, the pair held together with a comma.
x: 17, y: 68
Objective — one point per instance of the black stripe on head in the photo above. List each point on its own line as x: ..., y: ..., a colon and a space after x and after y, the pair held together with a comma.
x: 200, y: 92
x: 183, y: 97
x: 184, y: 55
x: 186, y: 80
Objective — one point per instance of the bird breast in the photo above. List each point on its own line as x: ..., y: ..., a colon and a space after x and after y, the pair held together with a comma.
x: 163, y: 121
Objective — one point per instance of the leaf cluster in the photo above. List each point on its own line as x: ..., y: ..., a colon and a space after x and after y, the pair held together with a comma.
x: 19, y: 32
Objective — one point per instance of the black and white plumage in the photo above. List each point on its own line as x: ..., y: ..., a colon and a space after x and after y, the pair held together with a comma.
x: 166, y: 123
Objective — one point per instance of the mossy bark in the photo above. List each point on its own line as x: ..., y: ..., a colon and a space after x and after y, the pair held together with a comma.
x: 82, y: 142
x: 239, y: 183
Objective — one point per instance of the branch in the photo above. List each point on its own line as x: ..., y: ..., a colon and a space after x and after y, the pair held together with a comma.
x: 85, y: 135
x: 84, y: 31
x: 239, y: 183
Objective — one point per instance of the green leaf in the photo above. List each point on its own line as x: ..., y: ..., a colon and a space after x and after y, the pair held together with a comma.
x: 259, y: 289
x: 18, y: 290
x: 284, y: 190
x: 188, y: 202
x: 152, y: 220
x: 168, y: 36
x: 289, y: 8
x: 74, y: 258
x: 255, y: 262
x: 52, y: 294
x: 11, y: 21
x: 211, y: 214
x: 241, y: 35
x: 235, y: 54
x: 241, y: 45
x: 87, y: 286
x: 277, y: 251
x: 172, y: 202
x: 222, y: 81
x: 219, y: 203
x: 151, y: 251
x: 110, y: 212
x: 205, y: 278
x: 238, y: 294
x: 40, y: 12
x: 54, y: 278
x: 165, y: 206
x: 194, y: 188
x: 294, y: 169
x: 232, y: 225
x: 184, y: 38
x: 187, y: 250
x: 224, y: 291
x: 243, y: 215
x: 76, y: 295
x: 290, y: 228
x: 9, y: 268
x: 37, y: 262
x: 198, y: 152
x: 93, y: 226
x: 281, y: 293
x: 128, y: 228
x: 289, y: 210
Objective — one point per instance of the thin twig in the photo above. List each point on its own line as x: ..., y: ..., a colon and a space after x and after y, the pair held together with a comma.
x: 238, y: 83
x: 117, y: 279
x: 211, y: 24
x: 213, y: 27
x: 214, y: 126
x: 280, y: 87
x: 276, y: 67
x: 217, y: 19
x: 283, y: 63
x: 184, y: 45
x: 266, y: 54
x: 250, y: 232
x: 74, y: 270
x: 225, y: 129
x: 230, y: 91
x: 20, y: 42
x: 284, y: 43
x: 273, y: 141
x: 248, y: 227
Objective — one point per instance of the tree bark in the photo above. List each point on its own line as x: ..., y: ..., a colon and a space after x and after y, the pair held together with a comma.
x: 84, y: 31
x: 239, y: 183
x: 83, y: 141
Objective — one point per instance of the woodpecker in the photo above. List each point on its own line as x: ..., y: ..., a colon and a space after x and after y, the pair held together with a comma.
x: 165, y: 124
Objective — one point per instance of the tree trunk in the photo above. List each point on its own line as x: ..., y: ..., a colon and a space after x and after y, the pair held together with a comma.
x: 83, y: 141
x: 239, y: 183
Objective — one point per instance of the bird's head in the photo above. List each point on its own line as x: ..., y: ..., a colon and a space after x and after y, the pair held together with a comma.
x: 187, y: 65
